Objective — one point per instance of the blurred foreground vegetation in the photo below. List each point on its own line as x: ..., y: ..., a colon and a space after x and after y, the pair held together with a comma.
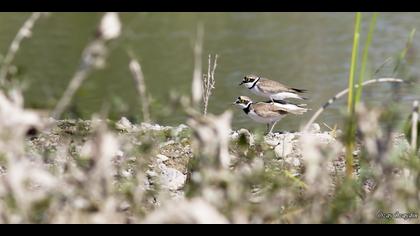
x: 100, y: 171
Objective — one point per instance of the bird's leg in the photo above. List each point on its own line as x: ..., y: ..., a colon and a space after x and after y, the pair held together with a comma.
x: 272, y: 100
x: 268, y: 128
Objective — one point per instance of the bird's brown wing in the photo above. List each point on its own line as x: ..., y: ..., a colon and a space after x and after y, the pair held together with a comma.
x: 272, y: 86
x: 267, y: 110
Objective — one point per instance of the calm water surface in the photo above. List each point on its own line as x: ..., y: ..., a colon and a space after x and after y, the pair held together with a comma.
x: 305, y: 50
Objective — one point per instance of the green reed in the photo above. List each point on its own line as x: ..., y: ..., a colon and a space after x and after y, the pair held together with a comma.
x: 350, y: 99
x: 365, y: 57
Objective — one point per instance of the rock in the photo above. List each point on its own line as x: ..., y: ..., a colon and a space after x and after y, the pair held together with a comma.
x: 325, y: 138
x: 277, y: 138
x: 235, y: 135
x: 151, y: 173
x: 124, y: 206
x: 356, y: 153
x: 284, y: 145
x: 80, y: 203
x: 321, y: 138
x: 170, y: 142
x: 119, y: 153
x: 293, y: 161
x: 2, y: 170
x: 126, y: 173
x: 314, y: 128
x: 180, y: 128
x: 272, y: 142
x: 162, y: 158
x: 124, y: 124
x: 154, y: 127
x: 171, y: 178
x: 283, y: 149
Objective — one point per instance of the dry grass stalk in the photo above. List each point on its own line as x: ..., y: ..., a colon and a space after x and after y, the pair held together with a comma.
x: 15, y: 121
x: 344, y: 92
x: 93, y: 57
x: 197, y: 87
x: 414, y: 120
x: 375, y: 140
x: 193, y: 211
x: 212, y: 137
x: 138, y: 77
x: 24, y: 32
x: 75, y: 83
x: 209, y: 82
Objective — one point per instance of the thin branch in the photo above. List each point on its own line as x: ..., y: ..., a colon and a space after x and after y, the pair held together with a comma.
x: 93, y: 57
x: 197, y: 88
x: 138, y: 77
x: 74, y: 85
x: 344, y: 92
x: 24, y: 32
x: 214, y: 66
x: 414, y: 120
x: 209, y: 82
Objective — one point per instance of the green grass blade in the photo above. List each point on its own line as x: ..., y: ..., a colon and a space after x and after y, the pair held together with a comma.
x: 353, y: 65
x: 350, y: 99
x: 408, y: 45
x: 365, y: 57
x: 403, y: 53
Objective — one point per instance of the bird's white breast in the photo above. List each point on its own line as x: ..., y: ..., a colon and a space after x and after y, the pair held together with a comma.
x: 258, y: 92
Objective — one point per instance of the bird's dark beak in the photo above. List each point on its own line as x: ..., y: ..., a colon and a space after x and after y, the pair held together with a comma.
x: 241, y: 83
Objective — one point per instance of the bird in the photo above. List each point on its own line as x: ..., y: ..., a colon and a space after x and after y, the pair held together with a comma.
x: 268, y: 112
x: 271, y: 89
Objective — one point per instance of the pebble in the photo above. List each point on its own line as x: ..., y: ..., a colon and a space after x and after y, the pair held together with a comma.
x: 283, y: 149
x: 315, y: 128
x: 162, y: 158
x: 124, y: 124
x: 171, y: 178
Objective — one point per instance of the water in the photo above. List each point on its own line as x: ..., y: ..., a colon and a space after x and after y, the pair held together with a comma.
x: 305, y: 50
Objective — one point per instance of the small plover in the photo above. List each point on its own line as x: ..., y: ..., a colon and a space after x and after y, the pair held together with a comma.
x: 270, y: 89
x: 268, y: 112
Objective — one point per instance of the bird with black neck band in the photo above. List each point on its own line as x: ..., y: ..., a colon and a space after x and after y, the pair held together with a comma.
x: 271, y: 89
x: 268, y: 112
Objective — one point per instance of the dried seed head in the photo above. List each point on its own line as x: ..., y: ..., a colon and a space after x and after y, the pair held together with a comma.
x: 110, y: 26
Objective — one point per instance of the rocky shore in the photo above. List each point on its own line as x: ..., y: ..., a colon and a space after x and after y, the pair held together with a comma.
x: 174, y: 151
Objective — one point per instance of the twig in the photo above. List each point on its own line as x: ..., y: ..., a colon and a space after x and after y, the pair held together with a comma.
x: 24, y: 32
x: 344, y: 92
x: 138, y: 77
x: 209, y: 82
x: 75, y: 83
x: 93, y: 57
x: 414, y: 120
x: 197, y: 87
x: 386, y: 61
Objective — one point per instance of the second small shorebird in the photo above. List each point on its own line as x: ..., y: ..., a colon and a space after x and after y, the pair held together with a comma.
x: 271, y: 89
x: 268, y: 112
